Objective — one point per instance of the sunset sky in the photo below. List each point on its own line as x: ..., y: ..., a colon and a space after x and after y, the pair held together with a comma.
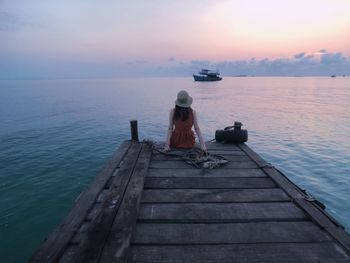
x: 58, y: 39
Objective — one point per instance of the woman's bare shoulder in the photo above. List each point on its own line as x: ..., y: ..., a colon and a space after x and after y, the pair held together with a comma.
x: 194, y: 112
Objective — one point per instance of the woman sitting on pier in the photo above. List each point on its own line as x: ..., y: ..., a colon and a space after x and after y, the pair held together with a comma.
x: 181, y: 120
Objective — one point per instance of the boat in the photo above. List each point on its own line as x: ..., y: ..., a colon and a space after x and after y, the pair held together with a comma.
x: 207, y: 75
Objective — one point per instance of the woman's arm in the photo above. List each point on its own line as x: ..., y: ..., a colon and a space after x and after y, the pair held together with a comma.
x: 198, y: 131
x: 170, y: 130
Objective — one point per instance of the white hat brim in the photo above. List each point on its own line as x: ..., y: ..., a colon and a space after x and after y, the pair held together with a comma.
x: 184, y: 105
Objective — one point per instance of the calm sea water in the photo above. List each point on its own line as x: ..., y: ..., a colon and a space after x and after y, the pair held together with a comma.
x: 56, y: 135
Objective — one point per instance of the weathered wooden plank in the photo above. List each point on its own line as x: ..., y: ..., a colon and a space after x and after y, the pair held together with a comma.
x: 230, y: 158
x: 235, y: 152
x: 182, y: 164
x: 220, y: 212
x: 91, y: 245
x: 94, y: 212
x: 68, y: 254
x: 253, y: 155
x: 213, y: 195
x: 117, y: 244
x: 210, y: 146
x: 316, y: 215
x: 190, y: 172
x: 102, y: 196
x: 230, y: 233
x: 341, y: 236
x: 57, y: 241
x: 221, y: 146
x: 218, y: 207
x: 207, y: 183
x: 231, y: 253
x: 80, y: 235
x: 290, y: 188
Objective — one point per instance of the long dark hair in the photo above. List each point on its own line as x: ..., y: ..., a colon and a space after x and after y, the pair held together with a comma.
x: 181, y: 113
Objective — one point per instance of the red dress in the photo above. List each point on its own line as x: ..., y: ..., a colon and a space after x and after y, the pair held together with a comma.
x: 183, y: 135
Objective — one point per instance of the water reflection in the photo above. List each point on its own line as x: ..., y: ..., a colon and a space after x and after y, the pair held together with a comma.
x: 56, y: 135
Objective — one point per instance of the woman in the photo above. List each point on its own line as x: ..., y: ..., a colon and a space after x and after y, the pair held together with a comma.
x: 181, y: 120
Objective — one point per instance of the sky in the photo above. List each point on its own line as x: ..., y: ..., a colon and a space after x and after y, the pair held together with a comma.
x: 92, y: 39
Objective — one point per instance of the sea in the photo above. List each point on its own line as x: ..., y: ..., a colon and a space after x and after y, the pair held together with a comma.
x: 56, y: 135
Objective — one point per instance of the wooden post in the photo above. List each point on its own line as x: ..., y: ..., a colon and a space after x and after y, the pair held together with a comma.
x: 134, y: 131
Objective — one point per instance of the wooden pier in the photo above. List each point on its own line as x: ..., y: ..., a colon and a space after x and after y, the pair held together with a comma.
x: 149, y: 207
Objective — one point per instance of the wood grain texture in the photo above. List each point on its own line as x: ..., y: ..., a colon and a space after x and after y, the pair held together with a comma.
x: 230, y: 233
x: 317, y: 216
x: 220, y: 212
x: 291, y: 189
x: 213, y: 195
x: 341, y: 236
x: 210, y: 146
x: 191, y: 172
x: 314, y: 212
x: 149, y: 207
x: 222, y: 146
x: 232, y: 253
x: 117, y: 244
x: 230, y: 158
x: 54, y: 246
x: 234, y: 152
x: 170, y: 164
x: 208, y: 183
x: 94, y: 238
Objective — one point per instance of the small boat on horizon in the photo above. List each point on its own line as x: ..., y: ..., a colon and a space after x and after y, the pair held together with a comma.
x: 207, y: 75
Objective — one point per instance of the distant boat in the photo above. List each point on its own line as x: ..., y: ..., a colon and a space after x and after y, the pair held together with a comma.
x: 333, y: 76
x: 207, y: 75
